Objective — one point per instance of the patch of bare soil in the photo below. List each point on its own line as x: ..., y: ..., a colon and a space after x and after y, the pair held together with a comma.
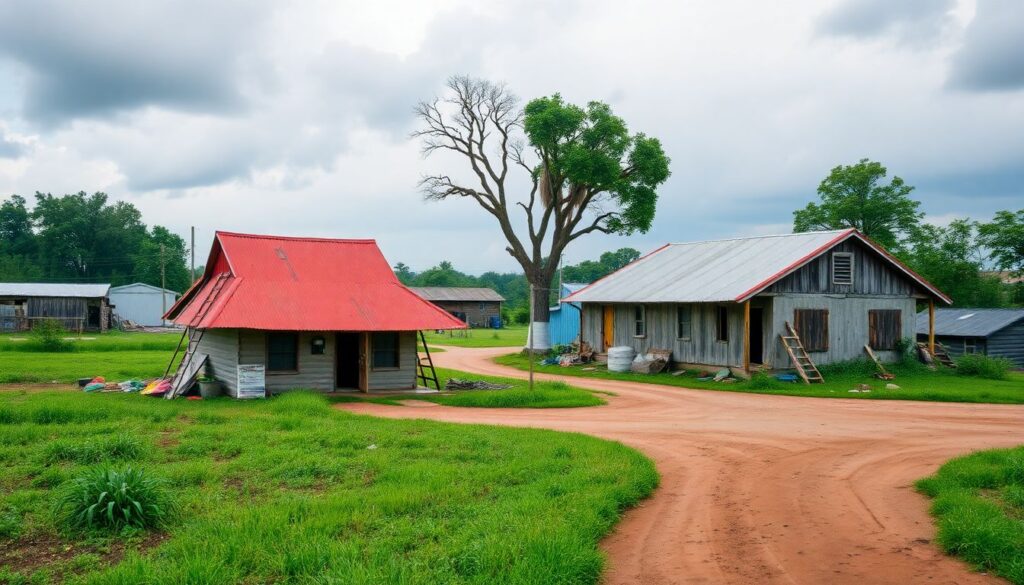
x: 27, y: 555
x: 761, y: 489
x: 39, y: 387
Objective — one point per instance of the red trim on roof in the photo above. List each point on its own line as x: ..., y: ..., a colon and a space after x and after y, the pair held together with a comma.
x: 647, y: 255
x: 909, y: 272
x: 795, y: 265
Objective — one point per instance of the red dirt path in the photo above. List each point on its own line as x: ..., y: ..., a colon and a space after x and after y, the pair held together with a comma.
x: 765, y: 489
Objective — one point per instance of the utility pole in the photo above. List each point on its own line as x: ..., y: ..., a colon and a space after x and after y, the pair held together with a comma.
x: 192, y: 247
x: 163, y: 286
x: 530, y: 337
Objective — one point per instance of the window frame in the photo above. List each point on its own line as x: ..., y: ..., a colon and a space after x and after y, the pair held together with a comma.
x: 852, y: 261
x: 873, y: 328
x: 373, y: 351
x: 722, y: 324
x: 973, y: 345
x: 797, y: 322
x: 267, y: 353
x: 639, y: 321
x: 689, y: 322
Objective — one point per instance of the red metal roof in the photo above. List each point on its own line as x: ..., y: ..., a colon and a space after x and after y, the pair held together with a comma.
x: 304, y: 284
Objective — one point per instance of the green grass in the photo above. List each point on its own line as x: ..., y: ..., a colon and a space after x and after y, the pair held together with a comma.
x: 916, y: 382
x: 290, y: 490
x: 979, y: 507
x: 543, y: 395
x: 90, y: 342
x: 115, y: 366
x: 512, y: 336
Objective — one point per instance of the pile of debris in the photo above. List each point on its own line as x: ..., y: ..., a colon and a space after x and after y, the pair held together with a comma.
x: 459, y: 384
x: 652, y: 362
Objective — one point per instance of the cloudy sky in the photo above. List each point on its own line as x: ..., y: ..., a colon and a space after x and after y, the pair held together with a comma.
x: 294, y: 118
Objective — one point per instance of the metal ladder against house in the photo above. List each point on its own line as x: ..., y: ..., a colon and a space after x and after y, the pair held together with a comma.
x: 941, y: 354
x: 195, y: 337
x: 801, y: 361
x: 424, y: 363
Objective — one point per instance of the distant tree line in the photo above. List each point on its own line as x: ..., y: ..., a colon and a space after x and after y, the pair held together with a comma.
x: 81, y: 238
x: 953, y: 258
x: 513, y: 285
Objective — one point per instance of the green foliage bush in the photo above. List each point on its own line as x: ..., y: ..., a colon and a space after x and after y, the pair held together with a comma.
x: 108, y: 498
x: 521, y: 316
x: 48, y: 335
x: 983, y: 366
x: 762, y: 381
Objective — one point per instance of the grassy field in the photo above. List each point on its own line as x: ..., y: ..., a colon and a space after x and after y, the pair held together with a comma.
x: 290, y: 490
x: 979, y: 507
x: 116, y: 356
x: 543, y: 395
x: 110, y: 341
x: 512, y: 336
x: 916, y: 383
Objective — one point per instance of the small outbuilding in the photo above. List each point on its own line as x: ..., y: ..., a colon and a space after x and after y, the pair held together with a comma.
x: 141, y: 303
x: 77, y: 307
x: 565, y: 317
x: 726, y: 303
x: 476, y: 307
x: 274, y: 313
x: 993, y: 332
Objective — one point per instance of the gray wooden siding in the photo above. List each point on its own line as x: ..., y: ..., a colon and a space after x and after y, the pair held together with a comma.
x: 1008, y: 343
x: 315, y: 371
x: 397, y: 379
x: 478, y: 313
x: 222, y: 347
x: 848, y: 325
x: 871, y: 275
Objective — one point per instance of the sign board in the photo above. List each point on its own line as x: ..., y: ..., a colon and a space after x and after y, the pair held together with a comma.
x: 252, y: 381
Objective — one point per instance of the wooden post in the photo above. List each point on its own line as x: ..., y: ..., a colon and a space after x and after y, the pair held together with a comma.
x: 746, y: 336
x: 931, y: 327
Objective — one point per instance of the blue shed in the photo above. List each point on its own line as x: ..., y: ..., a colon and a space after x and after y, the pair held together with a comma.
x: 565, y: 317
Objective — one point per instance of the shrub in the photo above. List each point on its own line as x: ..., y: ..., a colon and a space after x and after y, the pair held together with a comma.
x: 111, y: 498
x: 521, y: 315
x: 762, y: 381
x: 48, y: 335
x: 983, y: 366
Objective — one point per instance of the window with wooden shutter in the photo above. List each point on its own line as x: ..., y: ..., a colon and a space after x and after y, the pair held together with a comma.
x: 884, y: 328
x: 812, y: 327
x: 842, y: 268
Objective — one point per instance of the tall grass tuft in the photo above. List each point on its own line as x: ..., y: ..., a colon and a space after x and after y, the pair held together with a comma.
x: 983, y: 366
x: 48, y: 335
x: 108, y: 498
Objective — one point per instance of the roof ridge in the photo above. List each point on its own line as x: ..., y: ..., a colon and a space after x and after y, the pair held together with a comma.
x: 296, y: 238
x: 740, y: 238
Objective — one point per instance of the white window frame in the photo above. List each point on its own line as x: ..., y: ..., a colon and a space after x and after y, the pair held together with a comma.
x: 852, y: 261
x: 639, y: 323
x: 689, y: 323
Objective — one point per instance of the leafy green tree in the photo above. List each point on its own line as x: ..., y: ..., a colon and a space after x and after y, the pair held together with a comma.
x: 857, y: 196
x: 16, y: 237
x: 404, y: 273
x: 1004, y: 237
x: 174, y: 257
x: 952, y: 259
x: 586, y: 172
x: 591, y: 270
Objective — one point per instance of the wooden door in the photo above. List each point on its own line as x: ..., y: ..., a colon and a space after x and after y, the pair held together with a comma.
x: 608, y: 326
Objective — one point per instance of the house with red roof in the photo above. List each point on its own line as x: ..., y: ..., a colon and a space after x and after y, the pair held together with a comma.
x: 738, y: 303
x: 293, y: 312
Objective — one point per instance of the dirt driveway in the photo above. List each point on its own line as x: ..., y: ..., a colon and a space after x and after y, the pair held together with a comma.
x: 765, y: 489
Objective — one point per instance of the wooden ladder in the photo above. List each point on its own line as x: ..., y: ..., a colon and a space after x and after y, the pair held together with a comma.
x: 941, y: 355
x: 195, y: 337
x: 425, y: 363
x: 801, y: 361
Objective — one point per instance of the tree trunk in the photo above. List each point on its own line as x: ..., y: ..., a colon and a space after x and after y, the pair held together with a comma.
x: 539, y: 331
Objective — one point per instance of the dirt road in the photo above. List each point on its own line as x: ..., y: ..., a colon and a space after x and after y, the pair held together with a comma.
x: 766, y: 489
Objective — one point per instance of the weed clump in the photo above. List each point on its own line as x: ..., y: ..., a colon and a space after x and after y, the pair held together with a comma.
x: 983, y: 366
x: 48, y: 335
x: 108, y: 498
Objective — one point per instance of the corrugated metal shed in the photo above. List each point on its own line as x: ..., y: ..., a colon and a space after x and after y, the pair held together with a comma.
x: 456, y: 293
x: 305, y: 284
x: 564, y: 325
x: 53, y: 289
x: 969, y: 322
x: 723, y: 270
x: 142, y: 303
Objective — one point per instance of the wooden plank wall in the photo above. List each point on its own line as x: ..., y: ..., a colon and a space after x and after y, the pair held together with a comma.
x: 397, y: 379
x: 315, y: 371
x: 222, y: 347
x: 871, y: 275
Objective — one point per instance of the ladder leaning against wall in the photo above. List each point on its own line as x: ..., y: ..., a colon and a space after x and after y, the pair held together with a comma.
x: 188, y: 368
x: 805, y: 368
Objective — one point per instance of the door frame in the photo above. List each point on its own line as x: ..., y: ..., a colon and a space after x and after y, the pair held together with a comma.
x: 362, y: 363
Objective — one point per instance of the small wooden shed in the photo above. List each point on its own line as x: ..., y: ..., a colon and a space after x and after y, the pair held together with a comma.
x: 280, y: 313
x: 993, y: 332
x: 77, y: 307
x: 725, y: 303
x: 475, y: 306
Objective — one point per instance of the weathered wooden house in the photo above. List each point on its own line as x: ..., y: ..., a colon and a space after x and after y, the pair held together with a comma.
x: 313, y: 313
x: 726, y: 302
x: 77, y: 307
x: 993, y: 332
x: 477, y: 307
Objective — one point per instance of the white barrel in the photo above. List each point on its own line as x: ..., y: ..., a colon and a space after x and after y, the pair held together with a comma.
x: 620, y: 358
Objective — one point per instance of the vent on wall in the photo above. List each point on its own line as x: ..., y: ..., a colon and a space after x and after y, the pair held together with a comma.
x: 842, y: 268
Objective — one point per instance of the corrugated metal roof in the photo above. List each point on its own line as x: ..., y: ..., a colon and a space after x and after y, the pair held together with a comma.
x: 141, y: 285
x: 969, y: 322
x: 456, y: 293
x: 53, y: 289
x: 722, y: 270
x: 305, y: 284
